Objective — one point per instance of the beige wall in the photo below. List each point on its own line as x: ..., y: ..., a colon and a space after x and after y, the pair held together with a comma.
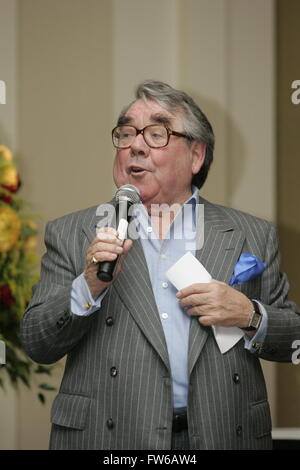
x: 78, y: 62
x: 65, y: 112
x: 8, y: 135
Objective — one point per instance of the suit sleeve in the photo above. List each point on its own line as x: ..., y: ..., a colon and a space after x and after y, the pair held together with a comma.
x: 49, y: 330
x: 283, y: 314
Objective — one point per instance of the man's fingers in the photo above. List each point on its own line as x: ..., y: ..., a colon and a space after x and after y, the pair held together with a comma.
x: 127, y: 245
x: 194, y: 299
x: 205, y: 317
x: 107, y: 252
x: 107, y: 237
x: 198, y: 288
x: 110, y: 247
x: 207, y: 321
x: 111, y: 230
x: 126, y: 248
x: 104, y: 256
x: 106, y: 246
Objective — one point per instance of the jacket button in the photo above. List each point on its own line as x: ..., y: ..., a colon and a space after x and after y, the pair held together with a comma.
x: 110, y: 424
x: 236, y: 378
x: 109, y: 321
x: 60, y: 323
x: 239, y: 430
x: 113, y: 371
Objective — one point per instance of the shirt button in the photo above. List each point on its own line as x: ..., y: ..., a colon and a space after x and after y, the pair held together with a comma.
x: 239, y: 430
x: 163, y: 256
x: 164, y: 316
x: 165, y: 285
x: 113, y: 371
x: 149, y: 229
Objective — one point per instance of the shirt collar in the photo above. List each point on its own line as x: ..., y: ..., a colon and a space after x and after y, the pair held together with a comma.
x: 193, y: 199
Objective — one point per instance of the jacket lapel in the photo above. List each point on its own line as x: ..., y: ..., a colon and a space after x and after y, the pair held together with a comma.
x: 97, y: 217
x: 221, y: 249
x: 133, y: 284
x: 134, y: 287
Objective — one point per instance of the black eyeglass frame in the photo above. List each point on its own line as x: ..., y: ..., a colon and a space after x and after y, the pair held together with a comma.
x: 141, y: 131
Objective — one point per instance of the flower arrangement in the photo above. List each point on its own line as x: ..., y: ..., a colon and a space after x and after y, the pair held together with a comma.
x: 18, y: 261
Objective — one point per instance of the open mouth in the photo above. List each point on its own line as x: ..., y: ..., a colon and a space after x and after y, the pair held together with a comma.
x: 136, y: 170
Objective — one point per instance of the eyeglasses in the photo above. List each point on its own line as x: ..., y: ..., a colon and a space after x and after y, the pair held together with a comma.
x: 154, y: 135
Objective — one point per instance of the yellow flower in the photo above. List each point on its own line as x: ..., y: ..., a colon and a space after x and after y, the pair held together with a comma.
x: 9, y: 177
x: 31, y: 223
x: 30, y: 244
x: 10, y: 227
x: 5, y: 153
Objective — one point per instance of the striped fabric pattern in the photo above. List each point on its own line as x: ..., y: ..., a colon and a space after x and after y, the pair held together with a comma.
x: 116, y: 392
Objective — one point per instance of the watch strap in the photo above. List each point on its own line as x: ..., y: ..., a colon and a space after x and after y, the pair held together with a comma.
x: 255, y: 318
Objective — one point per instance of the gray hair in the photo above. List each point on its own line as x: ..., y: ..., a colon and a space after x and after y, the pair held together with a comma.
x: 194, y: 121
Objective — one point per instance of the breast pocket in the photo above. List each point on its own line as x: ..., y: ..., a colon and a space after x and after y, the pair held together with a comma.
x: 70, y: 411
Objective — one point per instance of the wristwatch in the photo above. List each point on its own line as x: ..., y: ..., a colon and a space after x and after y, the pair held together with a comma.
x: 255, y: 318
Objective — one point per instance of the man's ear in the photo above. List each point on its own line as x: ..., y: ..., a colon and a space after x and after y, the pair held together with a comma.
x: 198, y: 156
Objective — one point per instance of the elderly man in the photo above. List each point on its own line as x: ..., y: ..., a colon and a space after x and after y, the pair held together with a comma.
x: 144, y: 369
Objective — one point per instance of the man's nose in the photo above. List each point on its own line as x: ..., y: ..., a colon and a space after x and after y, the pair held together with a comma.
x: 139, y: 146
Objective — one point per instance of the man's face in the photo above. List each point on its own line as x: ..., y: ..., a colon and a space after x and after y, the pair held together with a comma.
x: 167, y: 171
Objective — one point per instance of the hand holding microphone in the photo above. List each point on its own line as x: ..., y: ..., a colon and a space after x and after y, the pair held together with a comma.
x: 126, y: 196
x: 106, y: 253
x: 106, y: 247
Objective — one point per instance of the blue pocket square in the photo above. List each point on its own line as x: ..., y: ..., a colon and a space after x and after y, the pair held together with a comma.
x: 247, y: 268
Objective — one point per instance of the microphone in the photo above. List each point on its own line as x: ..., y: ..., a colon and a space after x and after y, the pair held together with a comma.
x: 125, y: 196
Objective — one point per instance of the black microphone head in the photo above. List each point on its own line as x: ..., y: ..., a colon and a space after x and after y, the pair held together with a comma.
x: 129, y: 193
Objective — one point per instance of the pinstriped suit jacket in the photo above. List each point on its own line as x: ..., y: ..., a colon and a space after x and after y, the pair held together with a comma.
x: 116, y: 392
